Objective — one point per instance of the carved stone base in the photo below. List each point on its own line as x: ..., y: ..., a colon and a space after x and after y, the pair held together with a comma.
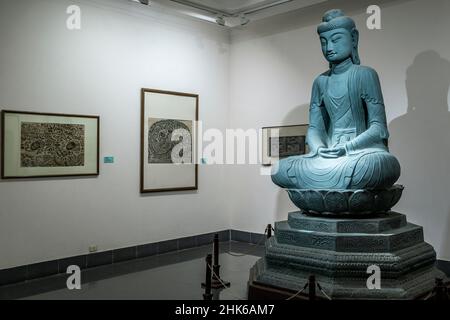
x: 281, y: 284
x: 339, y: 251
x: 346, y: 202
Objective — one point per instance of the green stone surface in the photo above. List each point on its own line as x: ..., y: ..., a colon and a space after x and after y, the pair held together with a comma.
x: 372, y: 224
x: 339, y: 252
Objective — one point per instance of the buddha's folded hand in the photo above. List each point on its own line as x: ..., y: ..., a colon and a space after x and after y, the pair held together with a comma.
x: 332, y: 153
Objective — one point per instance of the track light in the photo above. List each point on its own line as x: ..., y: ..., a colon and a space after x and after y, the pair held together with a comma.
x: 220, y: 20
x: 145, y: 2
x: 244, y: 20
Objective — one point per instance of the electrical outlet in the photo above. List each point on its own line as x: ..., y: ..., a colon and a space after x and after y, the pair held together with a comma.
x: 93, y: 249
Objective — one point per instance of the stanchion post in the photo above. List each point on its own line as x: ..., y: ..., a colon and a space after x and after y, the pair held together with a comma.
x: 207, y: 295
x: 312, y: 288
x: 217, y: 282
x: 216, y: 251
x: 441, y: 291
x: 269, y: 231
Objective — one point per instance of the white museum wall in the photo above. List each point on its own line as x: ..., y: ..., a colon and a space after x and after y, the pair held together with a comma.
x: 273, y: 65
x: 99, y: 70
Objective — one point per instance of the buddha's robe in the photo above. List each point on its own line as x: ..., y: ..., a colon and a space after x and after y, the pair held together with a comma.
x: 355, y: 119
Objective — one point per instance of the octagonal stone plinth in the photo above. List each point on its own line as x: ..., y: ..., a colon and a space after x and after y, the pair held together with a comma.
x: 369, y: 224
x: 338, y: 251
x: 349, y: 264
x: 386, y: 241
x: 410, y: 286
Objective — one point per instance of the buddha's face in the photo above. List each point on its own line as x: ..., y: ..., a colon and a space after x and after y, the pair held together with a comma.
x: 336, y: 45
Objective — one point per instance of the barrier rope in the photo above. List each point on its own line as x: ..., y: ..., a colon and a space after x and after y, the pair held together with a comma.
x: 323, y: 292
x: 298, y: 292
x: 429, y: 295
x: 263, y: 238
x: 304, y: 288
x: 237, y: 297
x: 233, y: 294
x: 445, y: 284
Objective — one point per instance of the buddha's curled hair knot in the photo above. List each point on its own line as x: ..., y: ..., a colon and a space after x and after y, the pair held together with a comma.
x: 334, y: 13
x: 335, y: 19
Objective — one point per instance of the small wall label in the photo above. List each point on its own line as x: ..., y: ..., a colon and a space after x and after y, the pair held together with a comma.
x: 108, y: 160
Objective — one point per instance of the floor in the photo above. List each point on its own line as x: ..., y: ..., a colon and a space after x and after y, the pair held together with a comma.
x: 172, y: 276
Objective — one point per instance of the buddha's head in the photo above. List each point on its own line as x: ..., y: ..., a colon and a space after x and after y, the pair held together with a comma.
x: 339, y: 37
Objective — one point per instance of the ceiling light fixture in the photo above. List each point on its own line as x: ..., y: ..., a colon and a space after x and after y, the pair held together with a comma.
x: 145, y: 2
x: 220, y: 20
x: 244, y: 19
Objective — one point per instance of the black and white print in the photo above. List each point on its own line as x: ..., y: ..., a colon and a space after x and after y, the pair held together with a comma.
x: 283, y: 147
x: 162, y: 142
x: 52, y: 145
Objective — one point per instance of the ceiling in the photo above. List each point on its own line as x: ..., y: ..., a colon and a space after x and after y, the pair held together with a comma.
x: 231, y: 7
x: 232, y: 13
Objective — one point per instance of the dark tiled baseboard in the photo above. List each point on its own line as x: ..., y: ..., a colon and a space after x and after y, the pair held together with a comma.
x: 80, y: 261
x: 99, y: 259
x: 124, y: 254
x: 44, y: 269
x: 444, y: 266
x: 13, y: 275
x: 48, y: 268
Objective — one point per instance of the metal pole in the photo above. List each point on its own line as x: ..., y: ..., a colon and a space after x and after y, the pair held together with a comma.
x: 441, y: 291
x: 217, y: 282
x: 269, y: 231
x: 207, y: 295
x: 312, y: 288
x: 216, y: 250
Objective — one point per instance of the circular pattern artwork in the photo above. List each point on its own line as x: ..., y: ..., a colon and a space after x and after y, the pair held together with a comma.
x: 169, y: 141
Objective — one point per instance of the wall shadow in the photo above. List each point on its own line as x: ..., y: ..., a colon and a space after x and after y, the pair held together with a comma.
x: 283, y: 204
x: 444, y: 249
x: 421, y: 141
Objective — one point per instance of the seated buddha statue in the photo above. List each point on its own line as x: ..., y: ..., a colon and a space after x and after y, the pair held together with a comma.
x: 348, y: 133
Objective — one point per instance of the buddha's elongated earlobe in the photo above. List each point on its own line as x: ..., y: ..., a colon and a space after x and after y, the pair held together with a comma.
x: 355, y: 42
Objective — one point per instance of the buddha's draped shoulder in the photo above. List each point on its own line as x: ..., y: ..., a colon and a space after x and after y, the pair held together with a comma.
x: 369, y: 84
x: 363, y: 81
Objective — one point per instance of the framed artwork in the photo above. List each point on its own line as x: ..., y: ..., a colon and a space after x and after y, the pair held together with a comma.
x: 282, y: 142
x: 168, y: 141
x: 38, y: 145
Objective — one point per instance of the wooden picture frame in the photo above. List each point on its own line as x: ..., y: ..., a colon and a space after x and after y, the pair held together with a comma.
x: 292, y: 137
x: 45, y: 145
x: 163, y: 112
